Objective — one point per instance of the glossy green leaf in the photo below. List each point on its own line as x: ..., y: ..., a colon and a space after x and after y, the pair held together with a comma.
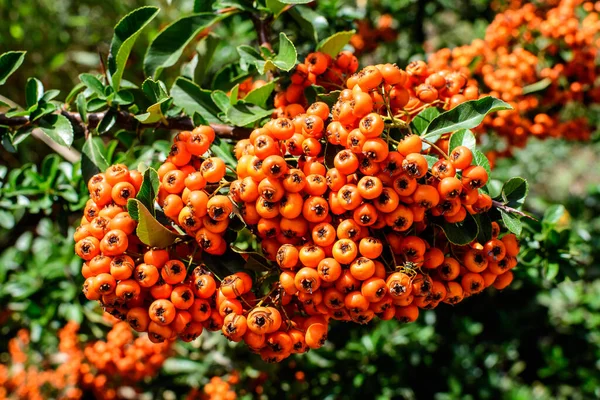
x: 189, y: 96
x: 126, y: 33
x: 467, y: 115
x: 311, y: 23
x: 9, y: 63
x: 149, y: 189
x: 149, y: 230
x: 484, y: 224
x: 460, y: 233
x: 335, y: 43
x: 154, y: 113
x: 242, y: 114
x: 108, y: 121
x: 480, y: 159
x: 463, y: 137
x: 512, y: 222
x: 286, y: 55
x: 514, y: 192
x: 154, y: 90
x: 168, y: 45
x: 276, y: 7
x: 93, y: 83
x: 260, y: 96
x: 58, y: 128
x: 92, y: 159
x: 221, y: 99
x: 34, y: 90
x: 423, y: 119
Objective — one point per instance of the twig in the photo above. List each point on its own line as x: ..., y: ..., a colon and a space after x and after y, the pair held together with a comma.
x: 127, y: 121
x: 508, y: 209
x: 442, y: 152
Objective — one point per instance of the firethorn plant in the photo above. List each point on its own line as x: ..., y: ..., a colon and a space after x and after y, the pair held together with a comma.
x: 311, y: 192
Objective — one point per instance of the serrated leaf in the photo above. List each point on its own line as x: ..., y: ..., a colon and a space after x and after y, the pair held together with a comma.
x: 108, y: 121
x: 34, y: 90
x: 189, y: 96
x: 58, y: 128
x: 93, y: 83
x: 514, y: 192
x: 92, y: 159
x: 260, y: 95
x: 460, y: 233
x: 423, y: 119
x: 154, y: 90
x: 149, y: 230
x: 463, y: 137
x: 149, y: 189
x: 286, y: 56
x: 168, y: 45
x: 242, y: 114
x: 276, y: 7
x: 467, y: 115
x: 126, y: 33
x: 537, y: 87
x: 9, y: 63
x: 512, y: 222
x: 335, y: 43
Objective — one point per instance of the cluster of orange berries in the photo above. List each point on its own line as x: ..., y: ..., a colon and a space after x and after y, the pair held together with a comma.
x: 327, y: 222
x: 151, y: 288
x: 563, y: 36
x: 318, y: 69
x: 100, y: 368
x: 121, y: 360
x: 368, y: 37
x: 216, y: 389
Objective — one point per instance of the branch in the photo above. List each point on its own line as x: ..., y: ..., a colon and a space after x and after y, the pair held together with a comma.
x: 508, y: 209
x: 127, y: 121
x: 263, y: 30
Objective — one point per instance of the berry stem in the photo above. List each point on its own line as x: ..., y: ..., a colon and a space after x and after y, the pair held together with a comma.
x: 508, y: 209
x: 442, y: 152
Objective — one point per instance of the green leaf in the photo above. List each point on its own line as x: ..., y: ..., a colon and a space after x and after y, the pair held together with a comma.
x: 167, y: 47
x: 242, y: 114
x: 297, y: 1
x: 96, y: 104
x: 335, y: 43
x: 423, y: 119
x: 537, y: 87
x: 189, y: 96
x: 233, y: 95
x: 286, y: 56
x: 50, y: 95
x: 512, y: 222
x: 203, y: 5
x: 460, y: 233
x: 58, y: 128
x: 199, y: 120
x: 329, y: 98
x: 126, y: 33
x: 311, y: 23
x: 553, y: 214
x: 514, y: 192
x: 276, y: 7
x: 259, y: 96
x: 82, y: 107
x: 93, y: 83
x: 149, y: 230
x: 480, y: 159
x: 467, y: 115
x: 34, y: 90
x: 223, y: 150
x: 154, y: 113
x: 122, y: 98
x: 108, y: 121
x: 154, y: 90
x: 431, y: 160
x: 463, y: 137
x: 92, y: 159
x: 149, y: 189
x: 9, y: 63
x: 221, y: 100
x: 74, y: 92
x: 484, y: 224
